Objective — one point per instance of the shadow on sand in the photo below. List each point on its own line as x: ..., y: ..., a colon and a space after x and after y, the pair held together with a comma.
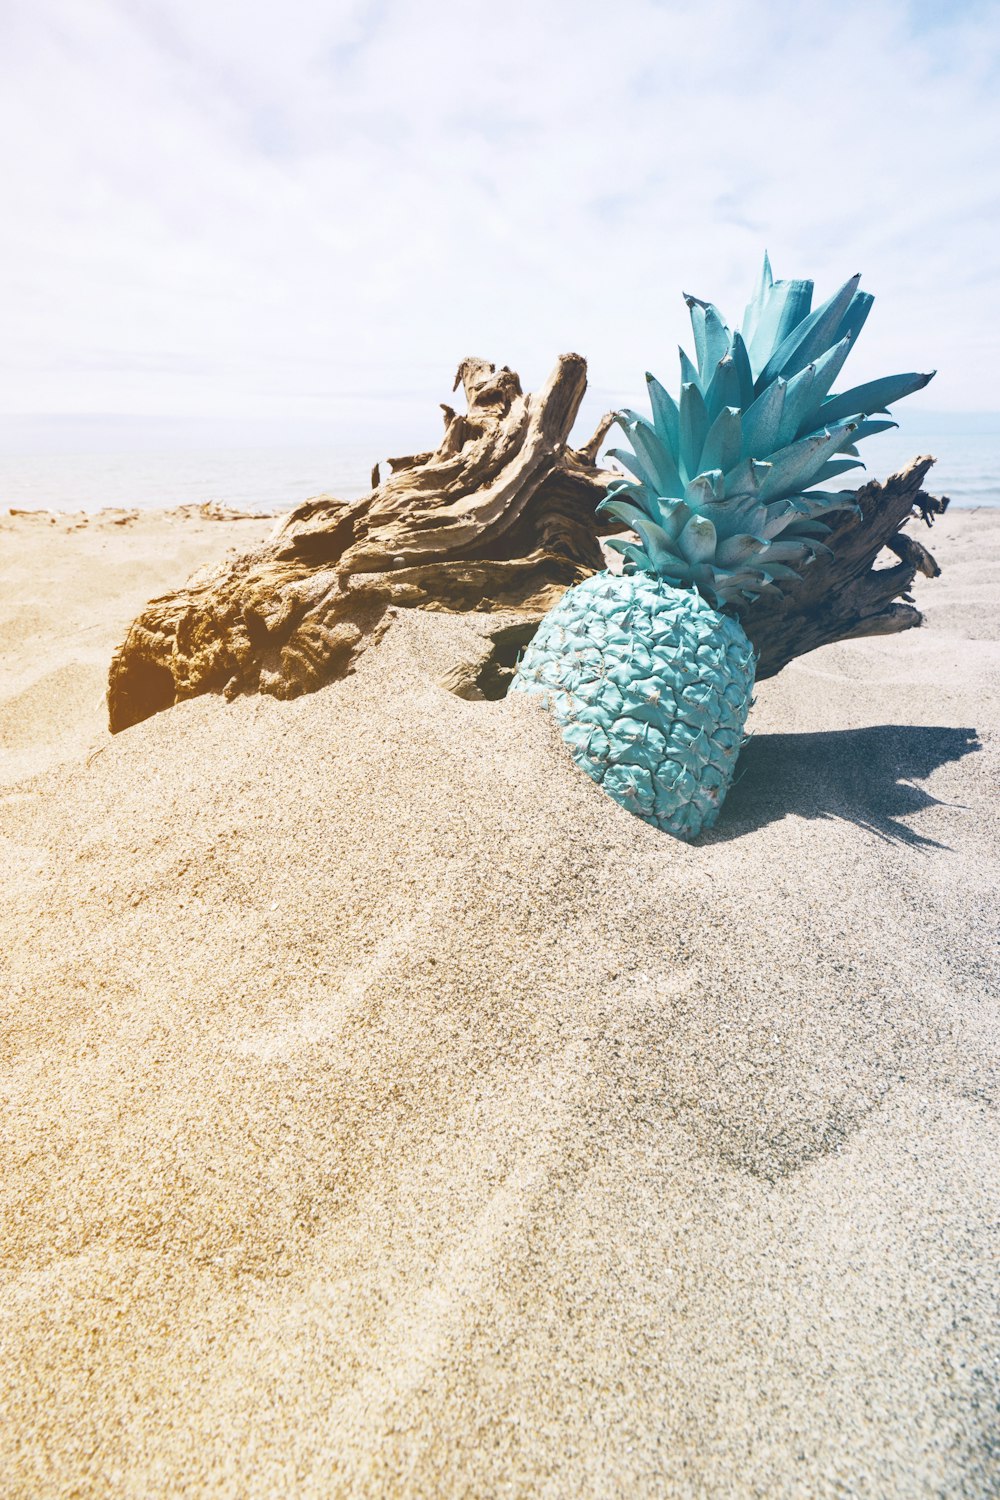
x: 864, y: 776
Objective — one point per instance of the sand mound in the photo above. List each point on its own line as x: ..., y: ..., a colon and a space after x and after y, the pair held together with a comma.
x: 388, y: 1112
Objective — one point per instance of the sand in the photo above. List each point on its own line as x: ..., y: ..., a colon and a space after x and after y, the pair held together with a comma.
x: 386, y: 1112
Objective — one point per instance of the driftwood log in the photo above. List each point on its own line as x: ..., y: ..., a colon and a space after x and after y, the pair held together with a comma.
x: 500, y: 517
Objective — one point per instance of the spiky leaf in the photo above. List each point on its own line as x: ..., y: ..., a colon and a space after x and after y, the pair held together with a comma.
x: 876, y: 395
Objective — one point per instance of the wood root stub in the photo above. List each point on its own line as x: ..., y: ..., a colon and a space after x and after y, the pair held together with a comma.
x: 843, y: 596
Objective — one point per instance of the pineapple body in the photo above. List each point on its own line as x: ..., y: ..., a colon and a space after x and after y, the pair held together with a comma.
x: 650, y: 686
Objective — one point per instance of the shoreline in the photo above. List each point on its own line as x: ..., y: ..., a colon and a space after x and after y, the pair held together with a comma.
x: 118, y: 515
x: 220, y: 510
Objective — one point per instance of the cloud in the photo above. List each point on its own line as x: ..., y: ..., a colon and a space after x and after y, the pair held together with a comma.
x: 246, y: 211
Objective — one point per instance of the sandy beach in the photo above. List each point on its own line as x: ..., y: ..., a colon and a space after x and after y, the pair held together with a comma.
x: 387, y: 1112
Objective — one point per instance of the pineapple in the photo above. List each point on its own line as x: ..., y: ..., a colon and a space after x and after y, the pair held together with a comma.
x: 648, y: 672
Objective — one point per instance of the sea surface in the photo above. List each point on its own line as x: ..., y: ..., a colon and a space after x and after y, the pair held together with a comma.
x: 45, y: 467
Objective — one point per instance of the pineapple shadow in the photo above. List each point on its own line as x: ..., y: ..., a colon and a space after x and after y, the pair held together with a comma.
x: 863, y: 776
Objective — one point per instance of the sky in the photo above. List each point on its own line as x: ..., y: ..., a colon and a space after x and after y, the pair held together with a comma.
x: 299, y: 217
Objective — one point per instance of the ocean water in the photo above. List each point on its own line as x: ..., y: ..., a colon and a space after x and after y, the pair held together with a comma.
x: 265, y: 479
x: 968, y: 457
x: 45, y: 467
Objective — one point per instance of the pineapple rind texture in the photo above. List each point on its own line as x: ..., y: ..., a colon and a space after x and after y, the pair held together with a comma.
x: 650, y: 686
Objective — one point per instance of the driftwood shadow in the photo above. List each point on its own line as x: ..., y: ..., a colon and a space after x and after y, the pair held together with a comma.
x: 864, y: 776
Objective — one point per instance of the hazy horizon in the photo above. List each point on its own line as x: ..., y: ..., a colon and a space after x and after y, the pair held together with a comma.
x: 88, y: 464
x: 307, y: 218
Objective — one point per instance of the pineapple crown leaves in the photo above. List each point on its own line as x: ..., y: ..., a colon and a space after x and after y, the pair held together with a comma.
x: 722, y: 496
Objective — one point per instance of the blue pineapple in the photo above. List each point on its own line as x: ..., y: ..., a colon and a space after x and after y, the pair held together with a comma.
x: 648, y: 672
